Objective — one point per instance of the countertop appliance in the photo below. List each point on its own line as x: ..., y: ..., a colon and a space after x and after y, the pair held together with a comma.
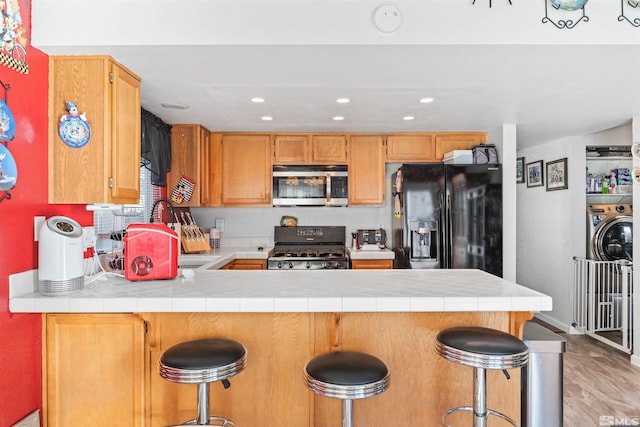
x: 60, y: 257
x: 150, y: 252
x: 610, y: 232
x: 375, y: 239
x: 310, y: 185
x: 308, y: 248
x: 448, y: 216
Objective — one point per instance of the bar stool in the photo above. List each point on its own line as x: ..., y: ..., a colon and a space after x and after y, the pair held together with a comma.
x: 202, y: 362
x: 482, y: 349
x: 346, y: 375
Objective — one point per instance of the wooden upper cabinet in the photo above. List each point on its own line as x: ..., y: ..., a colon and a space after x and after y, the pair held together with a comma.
x: 291, y: 150
x: 309, y: 149
x: 446, y: 142
x: 329, y: 149
x: 246, y: 170
x: 107, y: 168
x: 419, y: 147
x: 366, y: 169
x: 190, y: 157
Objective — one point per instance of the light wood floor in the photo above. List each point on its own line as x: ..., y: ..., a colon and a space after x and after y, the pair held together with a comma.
x: 598, y: 381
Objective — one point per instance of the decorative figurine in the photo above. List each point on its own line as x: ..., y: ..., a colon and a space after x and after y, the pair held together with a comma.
x: 74, y: 129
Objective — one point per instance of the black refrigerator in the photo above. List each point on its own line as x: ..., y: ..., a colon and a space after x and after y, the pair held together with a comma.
x: 447, y: 216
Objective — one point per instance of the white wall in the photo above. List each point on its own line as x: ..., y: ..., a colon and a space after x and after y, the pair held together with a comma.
x: 635, y: 358
x: 551, y: 225
x: 505, y: 140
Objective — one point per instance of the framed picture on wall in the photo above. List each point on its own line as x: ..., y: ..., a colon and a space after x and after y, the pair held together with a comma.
x: 557, y: 175
x: 520, y: 170
x: 534, y: 174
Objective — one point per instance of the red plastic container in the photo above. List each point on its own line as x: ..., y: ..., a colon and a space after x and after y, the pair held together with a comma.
x: 150, y: 252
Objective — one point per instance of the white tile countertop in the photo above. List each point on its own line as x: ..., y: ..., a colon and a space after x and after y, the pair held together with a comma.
x: 369, y: 254
x: 288, y: 291
x: 216, y: 258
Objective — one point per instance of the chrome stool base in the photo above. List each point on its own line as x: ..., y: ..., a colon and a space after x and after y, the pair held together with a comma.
x: 476, y: 416
x: 218, y: 421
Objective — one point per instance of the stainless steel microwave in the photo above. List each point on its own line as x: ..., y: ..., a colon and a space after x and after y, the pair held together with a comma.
x: 310, y: 185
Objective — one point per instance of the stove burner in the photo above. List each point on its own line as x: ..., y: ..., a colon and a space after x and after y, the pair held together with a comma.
x: 308, y: 248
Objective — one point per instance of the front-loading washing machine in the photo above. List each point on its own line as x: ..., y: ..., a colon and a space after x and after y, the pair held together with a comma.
x: 609, y: 232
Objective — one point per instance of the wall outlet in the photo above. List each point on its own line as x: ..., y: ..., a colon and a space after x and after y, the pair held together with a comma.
x: 220, y: 224
x: 37, y: 223
x: 88, y: 237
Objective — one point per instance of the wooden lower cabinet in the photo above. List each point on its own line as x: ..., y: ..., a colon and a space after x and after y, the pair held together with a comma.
x: 246, y: 264
x: 97, y: 372
x: 371, y: 264
x: 93, y: 370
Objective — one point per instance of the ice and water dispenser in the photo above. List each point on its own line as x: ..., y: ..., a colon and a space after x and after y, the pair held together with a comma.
x: 424, y: 240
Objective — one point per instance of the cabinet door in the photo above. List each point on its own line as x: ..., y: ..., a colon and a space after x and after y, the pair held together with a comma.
x: 206, y: 167
x: 366, y: 169
x: 291, y: 150
x: 371, y: 264
x: 125, y: 144
x: 410, y: 148
x: 93, y: 370
x: 246, y: 264
x: 446, y: 142
x: 329, y: 149
x: 246, y: 170
x: 186, y: 160
x: 107, y: 168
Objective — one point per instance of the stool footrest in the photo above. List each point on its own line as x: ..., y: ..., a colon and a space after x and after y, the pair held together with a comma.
x: 218, y: 421
x: 470, y: 409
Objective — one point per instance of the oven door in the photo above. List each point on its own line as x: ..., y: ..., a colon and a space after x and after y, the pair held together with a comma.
x: 299, y: 188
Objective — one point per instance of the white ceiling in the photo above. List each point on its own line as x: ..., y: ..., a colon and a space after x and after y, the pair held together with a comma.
x: 484, y: 66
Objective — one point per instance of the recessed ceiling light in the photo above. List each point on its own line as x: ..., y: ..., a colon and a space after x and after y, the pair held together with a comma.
x: 267, y: 118
x: 343, y: 100
x: 426, y: 100
x: 175, y: 105
x: 408, y: 118
x: 257, y: 100
x: 338, y: 118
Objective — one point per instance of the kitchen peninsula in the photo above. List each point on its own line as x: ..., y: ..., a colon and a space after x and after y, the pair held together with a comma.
x: 97, y: 354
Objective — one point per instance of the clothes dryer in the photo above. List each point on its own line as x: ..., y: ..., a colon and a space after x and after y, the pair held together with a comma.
x: 609, y: 232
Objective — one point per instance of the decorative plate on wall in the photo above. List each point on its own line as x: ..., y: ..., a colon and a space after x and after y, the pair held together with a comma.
x: 568, y: 4
x: 8, y: 169
x: 74, y: 129
x: 7, y: 123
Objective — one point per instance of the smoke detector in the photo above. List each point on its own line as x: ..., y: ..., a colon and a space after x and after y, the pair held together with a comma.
x: 387, y: 19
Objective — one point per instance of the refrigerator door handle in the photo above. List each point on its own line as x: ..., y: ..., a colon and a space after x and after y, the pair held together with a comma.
x: 448, y: 247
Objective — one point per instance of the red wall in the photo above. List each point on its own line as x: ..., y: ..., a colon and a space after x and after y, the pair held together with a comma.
x: 20, y: 334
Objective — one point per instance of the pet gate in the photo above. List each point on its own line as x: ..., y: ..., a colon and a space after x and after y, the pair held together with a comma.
x: 602, y: 294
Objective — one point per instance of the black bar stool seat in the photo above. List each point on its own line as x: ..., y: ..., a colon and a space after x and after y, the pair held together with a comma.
x: 482, y: 349
x: 201, y: 362
x: 346, y: 375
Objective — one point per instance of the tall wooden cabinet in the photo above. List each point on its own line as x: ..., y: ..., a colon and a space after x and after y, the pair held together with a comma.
x: 246, y: 170
x: 366, y: 169
x: 190, y: 157
x: 93, y: 370
x: 107, y: 168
